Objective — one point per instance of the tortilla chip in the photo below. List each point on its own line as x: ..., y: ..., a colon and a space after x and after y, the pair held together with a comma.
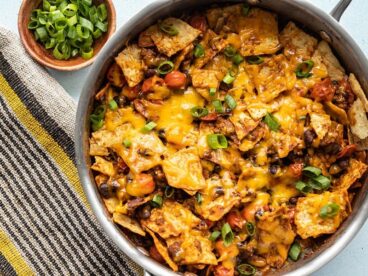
x: 284, y: 143
x: 214, y: 207
x: 357, y: 89
x: 202, y: 78
x: 334, y: 68
x: 103, y: 166
x: 320, y: 123
x: 111, y: 204
x: 355, y: 171
x: 243, y: 122
x: 162, y: 249
x: 95, y: 149
x: 307, y: 219
x: 131, y: 63
x: 209, y: 52
x: 183, y: 170
x: 275, y: 235
x: 171, y: 219
x: 128, y: 223
x: 195, y: 249
x: 169, y: 45
x: 358, y: 119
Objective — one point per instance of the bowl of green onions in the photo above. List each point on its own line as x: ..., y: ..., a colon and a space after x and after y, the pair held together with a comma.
x: 65, y: 34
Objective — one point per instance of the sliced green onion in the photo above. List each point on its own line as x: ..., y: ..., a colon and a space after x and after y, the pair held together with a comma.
x: 230, y: 101
x: 198, y: 112
x: 254, y: 59
x: 271, y: 122
x: 75, y: 52
x: 303, y: 70
x: 127, y: 143
x: 168, y: 29
x: 303, y: 117
x: 102, y: 12
x: 329, y: 210
x: 303, y: 187
x: 294, y: 252
x: 227, y: 234
x: 82, y: 32
x: 198, y: 51
x: 72, y: 32
x: 214, y: 235
x: 72, y: 20
x: 251, y: 229
x: 42, y: 33
x: 87, y: 53
x: 217, y: 141
x: 101, y: 26
x: 113, y: 105
x: 97, y: 117
x: 70, y: 10
x: 97, y: 33
x: 229, y: 51
x: 86, y: 2
x: 61, y: 23
x: 310, y: 171
x: 169, y: 191
x: 212, y: 91
x: 245, y: 9
x: 32, y: 25
x: 237, y: 59
x: 246, y: 269
x: 157, y: 201
x: 229, y: 78
x: 199, y: 198
x: 217, y: 104
x: 165, y: 67
x: 148, y: 127
x: 323, y: 181
x: 93, y: 15
x: 55, y: 15
x: 50, y: 43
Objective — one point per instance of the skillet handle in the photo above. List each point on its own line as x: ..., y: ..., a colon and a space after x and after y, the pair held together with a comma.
x: 339, y: 9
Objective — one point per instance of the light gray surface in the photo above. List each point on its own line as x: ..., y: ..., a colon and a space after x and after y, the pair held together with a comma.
x: 353, y: 259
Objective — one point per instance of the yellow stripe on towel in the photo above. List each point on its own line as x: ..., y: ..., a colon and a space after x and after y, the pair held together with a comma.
x: 43, y: 138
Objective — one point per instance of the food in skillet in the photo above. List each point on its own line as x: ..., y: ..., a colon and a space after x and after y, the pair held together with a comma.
x: 226, y: 147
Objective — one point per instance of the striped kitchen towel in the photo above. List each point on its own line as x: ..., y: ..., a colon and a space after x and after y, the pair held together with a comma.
x: 46, y: 224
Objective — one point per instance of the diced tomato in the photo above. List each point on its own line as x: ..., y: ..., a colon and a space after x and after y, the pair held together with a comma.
x: 210, y: 117
x: 235, y: 220
x: 324, y: 90
x: 296, y: 169
x: 199, y: 22
x: 220, y: 270
x: 149, y: 83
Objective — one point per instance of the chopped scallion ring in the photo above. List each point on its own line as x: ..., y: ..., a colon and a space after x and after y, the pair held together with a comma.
x: 199, y: 198
x: 127, y: 143
x: 251, y: 229
x: 217, y: 104
x: 329, y: 210
x: 198, y: 112
x: 227, y: 234
x: 229, y: 51
x: 295, y: 251
x: 165, y: 67
x: 231, y: 103
x: 271, y: 122
x: 212, y: 91
x: 303, y: 70
x: 237, y: 59
x: 168, y: 29
x: 217, y: 141
x: 229, y: 78
x: 254, y: 59
x: 148, y: 127
x: 310, y: 171
x: 113, y: 105
x: 169, y: 191
x: 198, y: 51
x: 246, y: 270
x: 214, y: 235
x: 157, y: 201
x: 303, y: 187
x: 323, y: 181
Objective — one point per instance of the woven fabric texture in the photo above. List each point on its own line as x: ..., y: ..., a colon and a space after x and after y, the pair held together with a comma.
x: 46, y: 224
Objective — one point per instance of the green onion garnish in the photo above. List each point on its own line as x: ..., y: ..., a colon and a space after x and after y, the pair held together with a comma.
x: 246, y: 269
x: 254, y: 59
x: 217, y: 141
x: 214, y: 235
x: 229, y: 78
x: 198, y: 51
x: 68, y: 28
x: 237, y: 59
x: 212, y: 91
x: 199, y: 198
x: 229, y: 51
x: 251, y: 229
x: 230, y: 102
x: 310, y: 171
x: 227, y: 234
x: 303, y: 117
x: 165, y: 67
x: 169, y: 191
x: 303, y: 187
x: 127, y: 143
x: 323, y: 181
x: 97, y: 117
x: 168, y: 29
x: 329, y: 210
x: 198, y: 112
x: 245, y: 9
x: 148, y: 127
x: 217, y: 104
x: 303, y: 70
x: 113, y: 105
x: 271, y: 122
x: 294, y: 252
x: 157, y: 201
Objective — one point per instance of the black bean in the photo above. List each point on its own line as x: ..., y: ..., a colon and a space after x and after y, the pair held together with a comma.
x: 104, y: 190
x: 216, y: 168
x: 150, y: 73
x: 343, y: 163
x: 273, y: 168
x: 332, y: 148
x: 121, y: 100
x: 219, y: 191
x: 115, y: 186
x: 293, y: 200
x: 145, y: 212
x: 309, y: 136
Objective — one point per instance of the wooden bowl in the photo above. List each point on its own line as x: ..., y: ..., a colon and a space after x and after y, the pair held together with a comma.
x: 45, y: 57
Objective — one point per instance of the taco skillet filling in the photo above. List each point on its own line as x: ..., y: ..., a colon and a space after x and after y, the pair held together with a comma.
x: 224, y: 146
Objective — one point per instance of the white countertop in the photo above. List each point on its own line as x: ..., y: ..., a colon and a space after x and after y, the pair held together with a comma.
x: 354, y: 258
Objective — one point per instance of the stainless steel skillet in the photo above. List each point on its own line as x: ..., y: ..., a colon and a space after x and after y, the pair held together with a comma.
x: 299, y: 11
